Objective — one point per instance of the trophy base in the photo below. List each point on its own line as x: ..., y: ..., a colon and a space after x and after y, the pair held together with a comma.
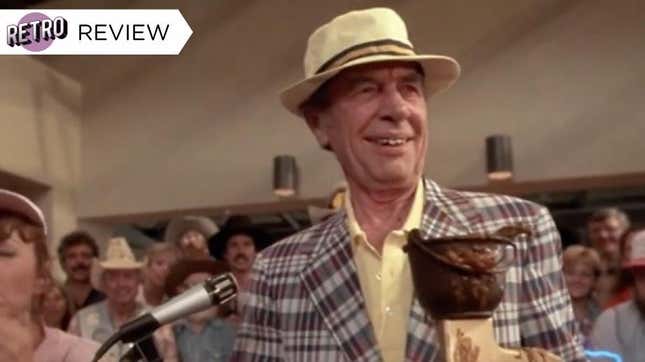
x: 472, y: 340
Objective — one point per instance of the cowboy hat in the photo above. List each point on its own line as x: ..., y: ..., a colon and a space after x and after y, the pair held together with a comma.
x: 637, y: 256
x: 178, y: 226
x: 18, y: 204
x: 185, y: 267
x: 236, y: 225
x: 361, y: 37
x: 119, y: 256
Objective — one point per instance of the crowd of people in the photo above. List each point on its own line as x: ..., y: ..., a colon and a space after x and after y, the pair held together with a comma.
x: 606, y: 282
x: 69, y: 321
x: 605, y: 278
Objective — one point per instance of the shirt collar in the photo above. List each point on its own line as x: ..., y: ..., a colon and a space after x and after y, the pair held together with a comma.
x: 412, y: 221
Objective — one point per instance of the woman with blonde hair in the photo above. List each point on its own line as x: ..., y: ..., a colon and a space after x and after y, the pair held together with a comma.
x: 55, y: 306
x: 582, y: 266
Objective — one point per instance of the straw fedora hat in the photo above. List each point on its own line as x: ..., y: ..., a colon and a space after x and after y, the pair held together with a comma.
x: 361, y: 37
x: 637, y: 256
x: 119, y: 256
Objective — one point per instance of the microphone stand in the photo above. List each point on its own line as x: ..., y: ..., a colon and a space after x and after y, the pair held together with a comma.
x: 143, y: 350
x: 214, y: 291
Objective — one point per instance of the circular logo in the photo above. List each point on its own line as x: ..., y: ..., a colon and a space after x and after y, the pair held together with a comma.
x: 35, y: 46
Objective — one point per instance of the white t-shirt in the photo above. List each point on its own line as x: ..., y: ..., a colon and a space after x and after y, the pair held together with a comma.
x: 621, y: 330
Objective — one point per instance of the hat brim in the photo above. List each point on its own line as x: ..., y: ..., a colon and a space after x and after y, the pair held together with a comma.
x: 18, y: 204
x: 184, y: 268
x: 99, y: 267
x: 120, y: 264
x: 441, y: 72
x: 217, y: 243
x: 177, y: 227
x: 636, y: 263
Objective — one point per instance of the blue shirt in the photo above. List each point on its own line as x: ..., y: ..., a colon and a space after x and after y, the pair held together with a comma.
x: 213, y: 344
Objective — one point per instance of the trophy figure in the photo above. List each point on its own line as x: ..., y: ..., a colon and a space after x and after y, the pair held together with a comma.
x: 459, y: 281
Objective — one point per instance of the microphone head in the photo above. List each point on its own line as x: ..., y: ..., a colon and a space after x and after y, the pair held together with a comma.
x: 214, y: 291
x: 222, y: 288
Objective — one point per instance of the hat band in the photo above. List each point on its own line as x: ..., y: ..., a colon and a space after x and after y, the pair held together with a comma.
x: 378, y: 47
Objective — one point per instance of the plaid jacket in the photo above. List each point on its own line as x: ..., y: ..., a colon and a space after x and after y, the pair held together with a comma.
x: 305, y: 302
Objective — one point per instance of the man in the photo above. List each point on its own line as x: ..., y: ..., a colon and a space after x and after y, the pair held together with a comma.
x: 342, y: 290
x: 190, y: 234
x: 238, y: 244
x: 120, y: 279
x: 605, y: 229
x: 621, y: 329
x: 76, y: 252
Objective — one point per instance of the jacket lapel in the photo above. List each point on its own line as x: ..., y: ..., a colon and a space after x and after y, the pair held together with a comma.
x: 447, y: 213
x: 331, y: 279
x: 443, y: 215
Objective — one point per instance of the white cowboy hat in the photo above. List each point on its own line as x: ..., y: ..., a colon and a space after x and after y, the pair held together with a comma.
x: 178, y: 226
x: 360, y: 37
x: 119, y: 255
x: 16, y: 203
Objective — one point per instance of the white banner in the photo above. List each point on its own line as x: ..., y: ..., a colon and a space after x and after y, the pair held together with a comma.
x: 93, y: 32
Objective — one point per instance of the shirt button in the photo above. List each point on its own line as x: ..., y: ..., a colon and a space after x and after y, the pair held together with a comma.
x: 378, y: 276
x: 388, y: 310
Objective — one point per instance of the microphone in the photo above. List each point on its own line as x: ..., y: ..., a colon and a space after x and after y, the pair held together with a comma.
x: 214, y: 291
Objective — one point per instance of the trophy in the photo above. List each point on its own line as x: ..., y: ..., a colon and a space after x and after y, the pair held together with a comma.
x: 472, y: 272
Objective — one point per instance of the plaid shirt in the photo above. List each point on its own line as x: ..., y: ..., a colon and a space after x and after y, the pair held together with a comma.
x: 305, y: 301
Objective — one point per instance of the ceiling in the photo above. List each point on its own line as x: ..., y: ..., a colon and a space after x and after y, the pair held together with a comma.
x: 488, y: 27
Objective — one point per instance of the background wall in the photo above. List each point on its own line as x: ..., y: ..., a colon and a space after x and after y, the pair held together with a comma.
x: 40, y: 143
x: 563, y: 78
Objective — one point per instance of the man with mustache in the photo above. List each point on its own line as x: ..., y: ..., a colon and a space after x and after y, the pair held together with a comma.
x: 238, y: 243
x: 190, y: 234
x: 76, y: 252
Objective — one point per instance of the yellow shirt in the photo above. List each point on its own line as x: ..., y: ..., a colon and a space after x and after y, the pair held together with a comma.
x: 386, y: 280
